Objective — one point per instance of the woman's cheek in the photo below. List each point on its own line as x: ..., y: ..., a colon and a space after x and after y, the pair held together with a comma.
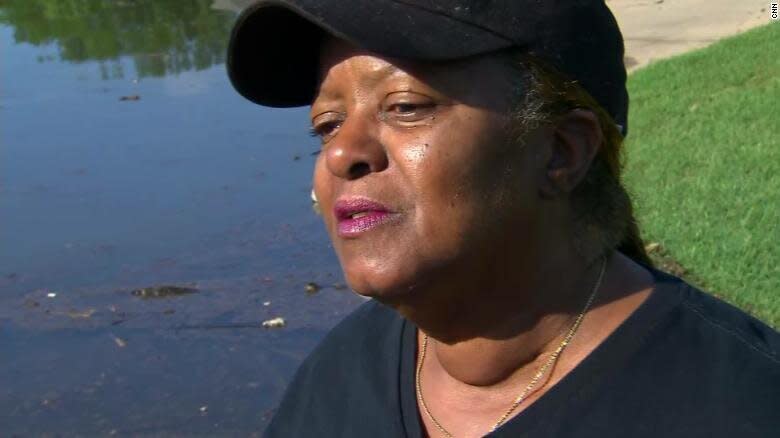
x: 416, y: 153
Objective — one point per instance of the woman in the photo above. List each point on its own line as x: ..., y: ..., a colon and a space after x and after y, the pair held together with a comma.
x: 469, y: 179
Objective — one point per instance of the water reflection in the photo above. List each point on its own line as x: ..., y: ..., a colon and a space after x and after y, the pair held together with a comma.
x: 161, y: 36
x: 187, y: 184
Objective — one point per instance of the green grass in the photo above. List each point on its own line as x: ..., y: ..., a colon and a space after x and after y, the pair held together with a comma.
x: 703, y: 165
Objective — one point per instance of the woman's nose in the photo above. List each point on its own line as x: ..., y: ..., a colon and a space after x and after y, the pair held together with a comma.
x: 355, y: 150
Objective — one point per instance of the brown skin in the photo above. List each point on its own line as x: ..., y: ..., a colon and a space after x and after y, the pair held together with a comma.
x: 480, y: 253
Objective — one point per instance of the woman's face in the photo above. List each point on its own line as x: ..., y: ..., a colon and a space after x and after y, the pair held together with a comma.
x: 430, y: 144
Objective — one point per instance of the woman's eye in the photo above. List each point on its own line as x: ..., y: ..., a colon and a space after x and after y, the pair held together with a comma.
x: 325, y: 130
x: 410, y: 111
x: 404, y: 107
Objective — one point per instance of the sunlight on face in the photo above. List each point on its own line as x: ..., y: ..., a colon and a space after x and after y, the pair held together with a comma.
x: 429, y: 145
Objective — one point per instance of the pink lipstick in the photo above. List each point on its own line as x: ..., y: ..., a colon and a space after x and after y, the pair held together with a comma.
x: 358, y: 215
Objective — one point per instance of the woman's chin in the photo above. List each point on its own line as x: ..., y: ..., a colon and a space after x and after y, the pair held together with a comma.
x: 383, y: 288
x: 392, y: 280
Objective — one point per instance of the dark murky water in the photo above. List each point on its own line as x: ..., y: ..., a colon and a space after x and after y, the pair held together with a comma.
x: 127, y: 161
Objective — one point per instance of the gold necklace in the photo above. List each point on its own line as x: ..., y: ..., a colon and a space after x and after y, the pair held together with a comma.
x: 551, y: 360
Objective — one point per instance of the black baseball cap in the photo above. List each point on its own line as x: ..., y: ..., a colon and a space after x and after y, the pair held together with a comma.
x: 274, y: 46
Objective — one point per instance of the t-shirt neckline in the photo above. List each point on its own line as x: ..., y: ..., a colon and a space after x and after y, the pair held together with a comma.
x: 625, y: 339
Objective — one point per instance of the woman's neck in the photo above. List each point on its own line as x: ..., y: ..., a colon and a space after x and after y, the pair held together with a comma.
x: 519, y: 331
x: 472, y: 382
x: 492, y: 362
x: 504, y: 331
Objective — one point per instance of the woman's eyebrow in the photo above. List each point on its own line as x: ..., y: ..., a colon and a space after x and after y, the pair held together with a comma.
x: 371, y: 78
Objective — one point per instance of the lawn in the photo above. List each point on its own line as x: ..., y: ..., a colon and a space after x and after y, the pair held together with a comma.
x: 703, y: 166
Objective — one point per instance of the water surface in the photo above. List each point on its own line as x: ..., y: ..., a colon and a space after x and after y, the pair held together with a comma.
x: 127, y: 160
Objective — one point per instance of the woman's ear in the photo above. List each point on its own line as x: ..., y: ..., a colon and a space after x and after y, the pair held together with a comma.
x: 577, y: 137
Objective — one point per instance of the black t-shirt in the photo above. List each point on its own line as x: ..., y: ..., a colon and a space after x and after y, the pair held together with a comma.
x: 684, y: 364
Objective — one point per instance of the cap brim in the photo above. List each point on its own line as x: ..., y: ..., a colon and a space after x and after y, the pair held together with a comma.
x: 273, y: 52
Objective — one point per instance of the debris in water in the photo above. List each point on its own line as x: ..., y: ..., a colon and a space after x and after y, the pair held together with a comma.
x: 339, y: 286
x: 296, y: 157
x: 132, y: 97
x: 204, y: 409
x: 119, y: 341
x: 168, y: 312
x: 266, y: 303
x: 312, y: 287
x: 163, y: 291
x: 84, y: 314
x: 51, y: 294
x: 274, y: 323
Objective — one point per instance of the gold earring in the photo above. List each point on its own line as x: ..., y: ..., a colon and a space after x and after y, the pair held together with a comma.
x: 315, y: 205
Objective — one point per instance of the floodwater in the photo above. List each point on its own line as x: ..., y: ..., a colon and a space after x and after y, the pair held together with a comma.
x: 128, y: 161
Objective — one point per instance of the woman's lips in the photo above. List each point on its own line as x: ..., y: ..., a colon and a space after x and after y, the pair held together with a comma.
x: 358, y: 215
x: 362, y: 222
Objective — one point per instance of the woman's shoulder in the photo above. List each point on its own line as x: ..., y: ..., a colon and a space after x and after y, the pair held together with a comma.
x: 686, y: 363
x: 373, y: 330
x: 713, y: 358
x: 368, y: 327
x: 718, y: 364
x: 721, y: 322
x: 348, y: 378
